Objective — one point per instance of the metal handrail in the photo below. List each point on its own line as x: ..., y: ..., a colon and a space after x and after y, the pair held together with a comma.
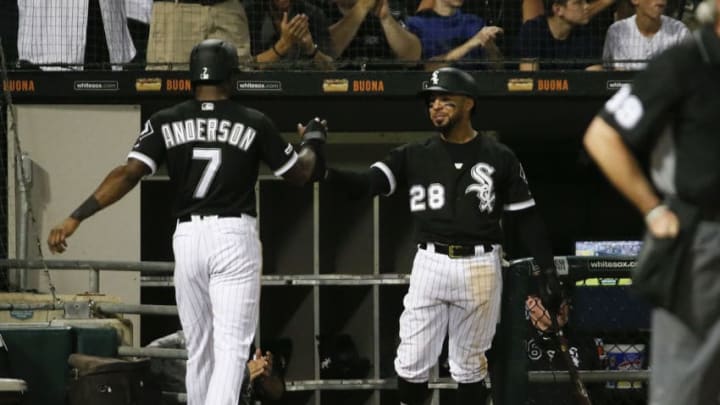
x: 157, y: 352
x: 142, y: 309
x: 154, y: 267
x: 589, y: 376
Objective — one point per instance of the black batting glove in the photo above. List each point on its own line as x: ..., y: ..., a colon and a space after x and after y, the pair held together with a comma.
x: 315, y: 133
x: 550, y: 290
x: 314, y: 137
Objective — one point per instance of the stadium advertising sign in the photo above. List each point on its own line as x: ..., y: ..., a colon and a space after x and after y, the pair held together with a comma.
x: 179, y: 85
x: 148, y: 84
x: 368, y: 86
x: 258, y: 85
x: 556, y: 85
x: 616, y: 84
x: 96, y: 85
x: 19, y: 86
x: 335, y: 85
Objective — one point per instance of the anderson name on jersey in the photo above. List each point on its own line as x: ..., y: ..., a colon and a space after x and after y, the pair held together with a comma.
x: 212, y: 151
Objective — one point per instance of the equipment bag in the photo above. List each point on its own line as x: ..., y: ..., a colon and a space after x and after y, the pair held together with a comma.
x: 109, y: 381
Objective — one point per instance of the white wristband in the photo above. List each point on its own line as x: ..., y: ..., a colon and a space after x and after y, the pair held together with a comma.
x: 655, y: 212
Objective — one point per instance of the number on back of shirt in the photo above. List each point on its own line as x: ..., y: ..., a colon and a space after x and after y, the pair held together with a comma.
x: 422, y: 198
x: 213, y: 156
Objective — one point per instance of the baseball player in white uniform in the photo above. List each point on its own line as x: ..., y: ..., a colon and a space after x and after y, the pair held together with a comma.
x: 212, y: 147
x: 460, y: 184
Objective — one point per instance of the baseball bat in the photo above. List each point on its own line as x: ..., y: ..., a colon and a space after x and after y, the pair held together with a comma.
x: 579, y: 390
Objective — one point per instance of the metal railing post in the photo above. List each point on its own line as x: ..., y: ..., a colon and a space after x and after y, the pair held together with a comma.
x: 23, y: 176
x: 94, y: 281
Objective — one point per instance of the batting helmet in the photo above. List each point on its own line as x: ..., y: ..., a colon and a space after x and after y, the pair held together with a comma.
x: 212, y: 61
x: 452, y: 81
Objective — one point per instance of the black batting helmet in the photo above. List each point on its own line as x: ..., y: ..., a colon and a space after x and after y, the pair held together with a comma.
x: 450, y: 80
x: 212, y: 61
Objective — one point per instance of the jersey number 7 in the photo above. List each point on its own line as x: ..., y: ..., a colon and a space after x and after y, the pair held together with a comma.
x: 214, y: 159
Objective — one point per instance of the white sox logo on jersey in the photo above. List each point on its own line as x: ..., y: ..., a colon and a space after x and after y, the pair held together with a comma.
x: 483, y: 189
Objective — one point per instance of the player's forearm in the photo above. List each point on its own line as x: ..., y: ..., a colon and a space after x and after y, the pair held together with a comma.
x: 614, y: 158
x: 115, y: 185
x: 306, y: 167
x: 533, y: 236
x: 365, y: 184
x: 404, y: 43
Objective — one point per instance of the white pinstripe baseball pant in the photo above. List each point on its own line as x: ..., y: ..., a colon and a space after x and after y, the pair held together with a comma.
x: 460, y: 296
x: 217, y: 287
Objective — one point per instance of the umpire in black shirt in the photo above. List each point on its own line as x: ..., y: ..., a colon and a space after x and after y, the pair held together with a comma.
x: 672, y: 112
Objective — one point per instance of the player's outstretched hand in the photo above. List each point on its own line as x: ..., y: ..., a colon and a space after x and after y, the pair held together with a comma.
x: 314, y: 131
x: 57, y: 240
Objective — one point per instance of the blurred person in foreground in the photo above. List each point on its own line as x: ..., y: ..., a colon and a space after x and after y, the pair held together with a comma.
x: 670, y: 114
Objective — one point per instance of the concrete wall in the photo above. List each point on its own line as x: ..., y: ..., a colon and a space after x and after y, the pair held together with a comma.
x: 73, y: 147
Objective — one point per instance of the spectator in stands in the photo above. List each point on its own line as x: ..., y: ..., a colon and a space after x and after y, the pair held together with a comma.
x: 176, y: 26
x: 138, y: 22
x: 262, y: 380
x: 642, y: 36
x: 533, y: 8
x: 557, y: 40
x: 368, y: 31
x: 449, y: 35
x: 289, y: 30
x: 600, y: 12
x: 93, y: 33
x: 542, y: 351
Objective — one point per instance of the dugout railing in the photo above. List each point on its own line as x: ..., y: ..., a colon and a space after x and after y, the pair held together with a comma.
x: 510, y: 380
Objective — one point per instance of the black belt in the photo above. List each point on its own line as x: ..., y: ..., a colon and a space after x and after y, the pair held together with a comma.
x: 200, y: 2
x: 188, y: 217
x: 454, y: 251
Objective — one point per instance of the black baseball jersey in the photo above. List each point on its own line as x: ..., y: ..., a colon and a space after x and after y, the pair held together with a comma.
x: 672, y: 109
x: 458, y: 192
x: 587, y: 353
x: 212, y: 151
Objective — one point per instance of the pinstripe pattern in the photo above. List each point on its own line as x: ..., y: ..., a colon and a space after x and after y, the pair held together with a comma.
x: 217, y: 279
x: 456, y: 296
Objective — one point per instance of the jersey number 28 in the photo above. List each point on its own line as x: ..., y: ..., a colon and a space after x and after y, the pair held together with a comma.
x: 422, y: 198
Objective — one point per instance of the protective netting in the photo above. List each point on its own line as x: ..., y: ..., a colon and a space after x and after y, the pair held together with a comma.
x: 342, y: 34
